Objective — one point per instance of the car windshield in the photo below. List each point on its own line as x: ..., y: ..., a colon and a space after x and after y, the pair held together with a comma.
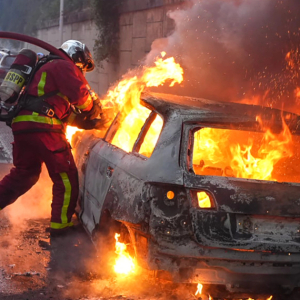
x: 8, y: 61
x: 246, y: 154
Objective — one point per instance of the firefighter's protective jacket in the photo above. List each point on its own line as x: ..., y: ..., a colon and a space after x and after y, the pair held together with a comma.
x: 57, y: 75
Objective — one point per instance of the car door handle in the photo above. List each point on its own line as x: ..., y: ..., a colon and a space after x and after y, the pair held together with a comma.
x: 109, y: 172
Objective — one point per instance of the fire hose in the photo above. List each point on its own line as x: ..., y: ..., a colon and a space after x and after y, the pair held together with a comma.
x: 34, y: 41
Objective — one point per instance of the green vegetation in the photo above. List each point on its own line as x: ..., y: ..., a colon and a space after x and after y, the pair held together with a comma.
x: 106, y: 15
x: 24, y: 16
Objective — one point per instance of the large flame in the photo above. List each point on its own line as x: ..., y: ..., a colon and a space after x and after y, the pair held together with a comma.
x: 126, y: 95
x: 124, y: 262
x: 221, y: 152
x: 130, y: 89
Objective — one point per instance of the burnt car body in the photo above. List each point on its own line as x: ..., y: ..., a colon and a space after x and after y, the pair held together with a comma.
x: 250, y: 235
x: 6, y: 60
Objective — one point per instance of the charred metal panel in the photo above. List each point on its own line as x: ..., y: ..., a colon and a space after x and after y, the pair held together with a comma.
x: 169, y: 217
x: 124, y: 198
x: 247, y: 214
x: 232, y: 114
x: 122, y: 192
x: 83, y: 142
x: 98, y: 177
x: 247, y: 196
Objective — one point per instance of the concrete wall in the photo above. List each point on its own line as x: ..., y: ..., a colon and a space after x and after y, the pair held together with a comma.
x: 141, y: 22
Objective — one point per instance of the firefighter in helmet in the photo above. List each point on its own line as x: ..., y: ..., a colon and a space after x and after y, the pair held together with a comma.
x: 39, y: 135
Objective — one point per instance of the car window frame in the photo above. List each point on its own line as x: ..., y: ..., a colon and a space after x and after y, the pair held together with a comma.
x: 187, y: 144
x: 186, y: 159
x: 142, y: 134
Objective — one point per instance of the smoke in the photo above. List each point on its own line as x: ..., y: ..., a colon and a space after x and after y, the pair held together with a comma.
x: 35, y: 204
x: 236, y: 50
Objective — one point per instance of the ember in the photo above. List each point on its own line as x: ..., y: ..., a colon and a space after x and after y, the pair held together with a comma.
x: 124, y: 262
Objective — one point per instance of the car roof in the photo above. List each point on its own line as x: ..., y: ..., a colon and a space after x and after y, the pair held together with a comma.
x: 229, y: 113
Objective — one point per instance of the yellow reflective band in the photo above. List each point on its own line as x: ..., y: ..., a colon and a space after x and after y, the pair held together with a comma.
x: 41, y: 84
x: 14, y: 78
x: 37, y: 119
x: 60, y: 226
x: 67, y: 197
x: 71, y: 118
x: 63, y: 96
x: 86, y: 104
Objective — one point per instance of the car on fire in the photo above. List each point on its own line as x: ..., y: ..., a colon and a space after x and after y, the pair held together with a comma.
x: 185, y: 207
x: 6, y: 60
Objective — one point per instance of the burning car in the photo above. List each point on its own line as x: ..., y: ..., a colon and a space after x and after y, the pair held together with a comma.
x: 206, y: 191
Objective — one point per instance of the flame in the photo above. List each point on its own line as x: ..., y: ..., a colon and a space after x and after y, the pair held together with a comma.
x: 124, y: 263
x: 199, y: 289
x: 70, y: 131
x: 131, y: 88
x: 220, y: 152
x: 126, y: 95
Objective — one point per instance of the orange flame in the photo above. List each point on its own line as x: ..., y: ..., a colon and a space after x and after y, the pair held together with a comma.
x: 199, y: 289
x: 127, y: 95
x: 131, y: 88
x: 220, y: 152
x: 124, y: 263
x: 70, y: 131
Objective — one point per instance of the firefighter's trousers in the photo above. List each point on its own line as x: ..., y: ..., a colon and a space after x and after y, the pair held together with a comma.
x: 30, y: 150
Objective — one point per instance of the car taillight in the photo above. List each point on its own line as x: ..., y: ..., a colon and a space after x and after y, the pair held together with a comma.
x: 203, y: 199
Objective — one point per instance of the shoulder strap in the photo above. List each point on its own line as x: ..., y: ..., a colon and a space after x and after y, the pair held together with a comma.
x: 39, y: 105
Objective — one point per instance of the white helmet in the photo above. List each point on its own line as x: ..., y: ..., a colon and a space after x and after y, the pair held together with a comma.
x: 80, y: 54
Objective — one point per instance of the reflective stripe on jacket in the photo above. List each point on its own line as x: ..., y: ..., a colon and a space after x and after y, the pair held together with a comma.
x: 65, y: 77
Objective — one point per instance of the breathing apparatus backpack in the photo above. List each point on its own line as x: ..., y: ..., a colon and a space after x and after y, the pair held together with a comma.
x: 13, y: 90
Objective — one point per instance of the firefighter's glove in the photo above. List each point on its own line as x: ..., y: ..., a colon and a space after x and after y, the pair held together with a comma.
x: 95, y: 111
x: 82, y: 122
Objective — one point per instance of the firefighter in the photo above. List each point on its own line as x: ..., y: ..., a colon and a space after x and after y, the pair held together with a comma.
x: 39, y: 137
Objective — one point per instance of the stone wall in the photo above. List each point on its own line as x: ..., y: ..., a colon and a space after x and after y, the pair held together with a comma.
x: 141, y: 22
